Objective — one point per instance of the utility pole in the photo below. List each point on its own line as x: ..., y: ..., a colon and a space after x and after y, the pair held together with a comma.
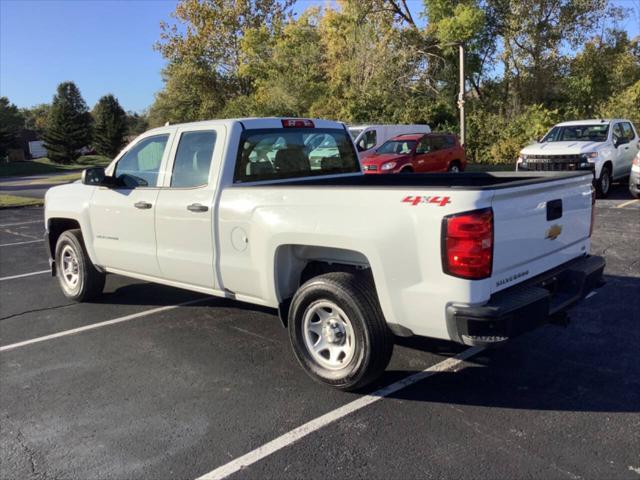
x: 461, y: 95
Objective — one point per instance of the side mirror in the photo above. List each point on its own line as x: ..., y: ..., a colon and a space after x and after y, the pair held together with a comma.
x: 94, y: 176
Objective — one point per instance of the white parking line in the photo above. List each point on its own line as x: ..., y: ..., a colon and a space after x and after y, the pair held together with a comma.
x: 21, y: 223
x: 450, y: 364
x: 73, y: 331
x: 630, y: 202
x: 2, y: 279
x: 20, y: 243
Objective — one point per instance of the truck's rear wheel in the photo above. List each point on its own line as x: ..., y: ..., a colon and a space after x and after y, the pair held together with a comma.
x: 78, y: 278
x: 337, y: 330
x: 603, y: 183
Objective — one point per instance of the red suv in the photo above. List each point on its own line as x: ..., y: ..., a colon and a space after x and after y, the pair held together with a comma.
x: 417, y: 152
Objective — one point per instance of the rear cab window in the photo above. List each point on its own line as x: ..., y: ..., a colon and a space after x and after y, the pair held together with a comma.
x: 287, y: 153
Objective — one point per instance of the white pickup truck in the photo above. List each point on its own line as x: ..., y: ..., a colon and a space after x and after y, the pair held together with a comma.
x: 604, y: 147
x: 234, y: 208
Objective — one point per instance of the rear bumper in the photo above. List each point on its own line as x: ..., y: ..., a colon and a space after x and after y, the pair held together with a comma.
x: 524, y: 307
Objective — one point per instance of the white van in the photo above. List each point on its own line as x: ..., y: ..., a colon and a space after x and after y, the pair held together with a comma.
x: 369, y: 137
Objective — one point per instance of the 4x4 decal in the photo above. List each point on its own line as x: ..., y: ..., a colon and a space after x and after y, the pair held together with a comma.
x: 436, y: 200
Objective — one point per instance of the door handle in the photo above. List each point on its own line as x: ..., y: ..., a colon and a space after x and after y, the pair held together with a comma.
x: 196, y: 207
x: 142, y: 205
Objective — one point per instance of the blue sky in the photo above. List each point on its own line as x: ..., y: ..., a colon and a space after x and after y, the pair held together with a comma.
x: 105, y: 46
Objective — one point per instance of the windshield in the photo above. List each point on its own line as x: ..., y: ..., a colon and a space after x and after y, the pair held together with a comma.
x: 578, y: 133
x: 280, y: 153
x: 355, y: 132
x: 397, y: 146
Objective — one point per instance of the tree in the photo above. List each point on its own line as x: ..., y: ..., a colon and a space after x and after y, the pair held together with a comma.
x: 110, y: 126
x: 605, y: 67
x: 69, y: 124
x: 11, y: 122
x: 35, y: 118
x: 287, y: 69
x: 137, y: 122
x: 204, y: 53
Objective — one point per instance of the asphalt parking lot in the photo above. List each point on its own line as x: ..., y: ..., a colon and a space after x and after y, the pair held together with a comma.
x: 183, y: 391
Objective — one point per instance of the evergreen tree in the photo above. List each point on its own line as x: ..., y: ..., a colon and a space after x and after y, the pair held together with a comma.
x: 111, y: 126
x: 11, y: 122
x: 69, y: 125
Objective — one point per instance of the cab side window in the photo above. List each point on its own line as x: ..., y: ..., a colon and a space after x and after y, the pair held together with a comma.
x: 618, y: 134
x: 423, y: 146
x: 449, y: 142
x: 627, y: 131
x: 368, y: 140
x: 139, y: 167
x: 437, y: 143
x: 193, y: 159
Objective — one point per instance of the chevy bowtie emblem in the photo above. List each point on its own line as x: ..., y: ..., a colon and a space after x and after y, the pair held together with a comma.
x: 554, y: 232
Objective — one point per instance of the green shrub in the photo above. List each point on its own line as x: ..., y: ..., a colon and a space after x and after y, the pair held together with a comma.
x: 497, y: 139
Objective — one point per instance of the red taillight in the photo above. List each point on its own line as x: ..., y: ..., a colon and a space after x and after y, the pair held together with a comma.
x: 467, y: 244
x: 297, y: 123
x: 593, y: 209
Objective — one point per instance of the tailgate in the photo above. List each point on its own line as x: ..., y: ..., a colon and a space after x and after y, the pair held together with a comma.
x: 538, y: 227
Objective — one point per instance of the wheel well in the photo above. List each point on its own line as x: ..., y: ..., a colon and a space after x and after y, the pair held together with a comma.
x: 55, y: 227
x: 407, y: 168
x: 296, y: 264
x: 609, y: 164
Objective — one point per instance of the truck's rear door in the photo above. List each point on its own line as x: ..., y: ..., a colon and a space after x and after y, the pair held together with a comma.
x: 540, y: 226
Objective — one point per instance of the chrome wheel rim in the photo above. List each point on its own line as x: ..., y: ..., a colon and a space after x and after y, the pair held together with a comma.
x: 328, y: 335
x: 70, y: 267
x: 454, y: 169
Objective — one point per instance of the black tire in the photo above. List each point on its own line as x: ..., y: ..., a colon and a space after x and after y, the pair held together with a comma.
x: 89, y: 281
x: 455, y: 167
x: 353, y: 294
x: 603, y: 182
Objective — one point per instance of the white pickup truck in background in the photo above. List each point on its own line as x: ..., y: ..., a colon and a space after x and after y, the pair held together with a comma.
x: 604, y: 147
x: 236, y: 209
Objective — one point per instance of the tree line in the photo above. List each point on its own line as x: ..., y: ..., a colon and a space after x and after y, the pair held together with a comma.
x: 67, y: 126
x: 529, y: 64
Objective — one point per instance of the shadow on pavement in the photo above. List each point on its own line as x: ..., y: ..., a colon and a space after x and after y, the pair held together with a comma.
x: 590, y: 366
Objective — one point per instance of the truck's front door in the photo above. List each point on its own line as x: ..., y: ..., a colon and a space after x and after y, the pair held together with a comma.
x: 626, y: 150
x: 123, y: 216
x: 185, y: 215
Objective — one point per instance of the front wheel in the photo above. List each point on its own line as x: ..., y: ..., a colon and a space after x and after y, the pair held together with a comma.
x: 78, y: 277
x: 603, y: 182
x: 338, y: 332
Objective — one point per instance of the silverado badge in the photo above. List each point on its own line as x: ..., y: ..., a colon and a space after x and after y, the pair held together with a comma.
x: 554, y: 232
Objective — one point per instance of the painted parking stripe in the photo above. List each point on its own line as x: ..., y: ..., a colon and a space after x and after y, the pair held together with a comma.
x: 73, y: 331
x: 22, y: 275
x: 630, y: 202
x: 450, y: 364
x: 20, y: 223
x: 20, y: 243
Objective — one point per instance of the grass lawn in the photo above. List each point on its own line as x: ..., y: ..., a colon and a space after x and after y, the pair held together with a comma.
x: 489, y: 167
x: 44, y: 166
x: 8, y: 201
x: 69, y: 177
